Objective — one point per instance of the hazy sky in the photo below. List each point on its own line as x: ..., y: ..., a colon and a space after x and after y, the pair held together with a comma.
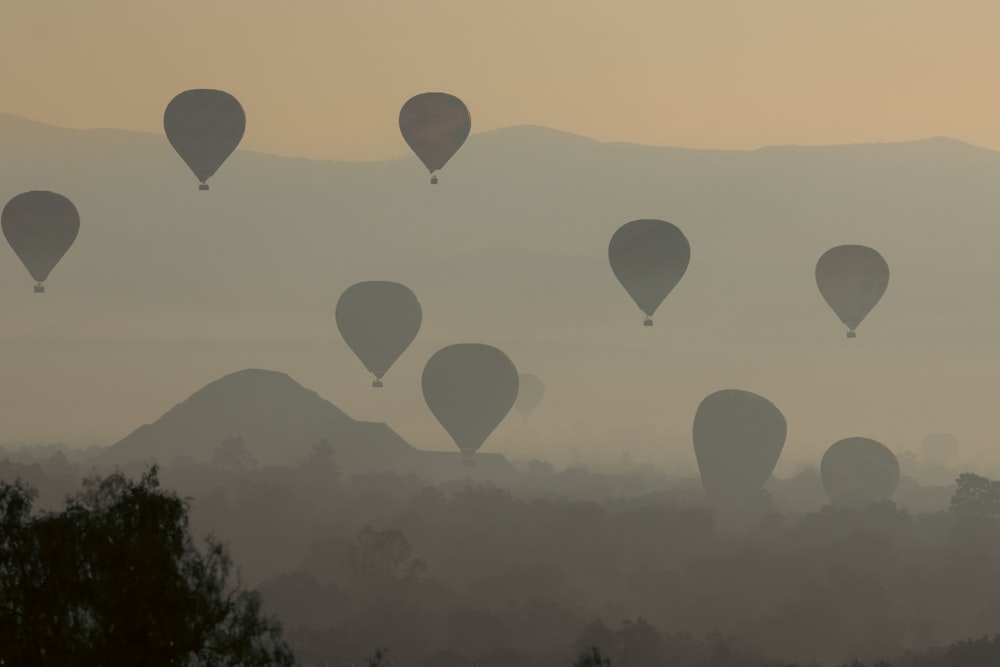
x: 326, y: 79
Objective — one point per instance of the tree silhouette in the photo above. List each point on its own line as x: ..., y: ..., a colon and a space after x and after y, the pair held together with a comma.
x: 592, y: 658
x: 115, y: 579
x: 376, y: 562
x: 976, y: 496
x: 232, y: 454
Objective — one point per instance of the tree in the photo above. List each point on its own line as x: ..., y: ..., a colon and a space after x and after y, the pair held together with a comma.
x: 592, y: 658
x: 321, y: 455
x: 976, y: 496
x: 376, y: 563
x: 115, y: 579
x: 232, y: 454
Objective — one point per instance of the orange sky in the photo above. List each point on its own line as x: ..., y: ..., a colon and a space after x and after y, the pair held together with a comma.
x: 326, y: 79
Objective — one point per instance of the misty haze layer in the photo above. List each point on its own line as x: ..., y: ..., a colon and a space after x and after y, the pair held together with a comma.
x: 168, y: 288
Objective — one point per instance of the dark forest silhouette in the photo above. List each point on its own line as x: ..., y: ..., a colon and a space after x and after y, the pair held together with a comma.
x: 115, y: 579
x: 463, y: 573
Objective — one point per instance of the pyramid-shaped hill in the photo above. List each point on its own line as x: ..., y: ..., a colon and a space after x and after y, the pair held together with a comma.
x: 278, y: 419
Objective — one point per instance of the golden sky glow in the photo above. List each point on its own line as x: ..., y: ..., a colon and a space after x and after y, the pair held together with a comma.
x: 326, y: 79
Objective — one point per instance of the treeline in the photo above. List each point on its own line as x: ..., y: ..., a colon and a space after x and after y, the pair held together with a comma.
x: 478, y: 573
x: 472, y: 573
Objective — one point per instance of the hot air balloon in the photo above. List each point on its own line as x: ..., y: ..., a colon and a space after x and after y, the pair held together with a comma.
x: 738, y: 437
x: 204, y: 126
x: 434, y: 125
x: 378, y: 320
x: 40, y: 226
x: 859, y: 471
x: 470, y: 388
x: 852, y: 279
x: 529, y: 393
x: 649, y: 258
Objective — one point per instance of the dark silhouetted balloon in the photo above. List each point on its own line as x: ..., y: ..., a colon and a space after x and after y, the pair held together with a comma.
x: 852, y: 279
x: 738, y: 437
x: 939, y: 448
x: 40, y: 226
x: 470, y: 388
x: 859, y: 471
x: 529, y: 394
x: 649, y: 258
x: 378, y: 320
x: 204, y: 127
x: 434, y: 125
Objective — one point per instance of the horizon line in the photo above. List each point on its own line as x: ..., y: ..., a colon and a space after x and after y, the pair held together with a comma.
x: 529, y: 126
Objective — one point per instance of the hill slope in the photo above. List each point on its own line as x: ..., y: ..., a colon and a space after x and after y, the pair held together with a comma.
x: 278, y: 419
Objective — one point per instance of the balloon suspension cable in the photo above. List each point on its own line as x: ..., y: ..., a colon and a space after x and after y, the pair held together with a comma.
x: 377, y: 383
x: 39, y: 288
x: 648, y: 322
x: 434, y: 179
x: 203, y: 186
x: 851, y: 334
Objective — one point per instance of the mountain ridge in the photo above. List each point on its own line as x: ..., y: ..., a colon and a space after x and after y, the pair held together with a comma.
x: 520, y: 131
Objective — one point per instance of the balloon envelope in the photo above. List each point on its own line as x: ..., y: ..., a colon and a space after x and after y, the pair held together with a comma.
x: 649, y: 258
x: 852, y: 279
x: 529, y: 393
x: 859, y: 471
x: 40, y: 227
x: 204, y: 127
x: 470, y: 388
x: 378, y: 320
x: 434, y: 125
x: 738, y: 437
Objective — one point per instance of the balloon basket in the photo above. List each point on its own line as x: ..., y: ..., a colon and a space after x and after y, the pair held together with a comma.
x: 648, y: 322
x: 434, y: 180
x: 851, y: 334
x: 203, y: 186
x: 39, y: 288
x: 468, y: 459
x: 377, y: 384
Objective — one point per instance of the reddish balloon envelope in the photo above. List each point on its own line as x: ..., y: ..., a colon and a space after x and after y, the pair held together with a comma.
x: 434, y: 125
x: 40, y: 227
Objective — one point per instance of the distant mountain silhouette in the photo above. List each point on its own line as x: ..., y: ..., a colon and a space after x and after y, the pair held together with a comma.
x: 279, y: 420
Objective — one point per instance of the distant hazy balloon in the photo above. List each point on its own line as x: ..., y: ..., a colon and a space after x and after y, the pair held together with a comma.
x: 434, y: 125
x: 40, y: 226
x: 939, y: 448
x: 470, y: 388
x: 529, y: 394
x: 859, y: 471
x: 852, y: 279
x: 204, y: 127
x: 649, y: 258
x: 378, y: 320
x: 738, y: 437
